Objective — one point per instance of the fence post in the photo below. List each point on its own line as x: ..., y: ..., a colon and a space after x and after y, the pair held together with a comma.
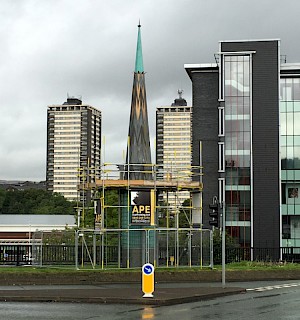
x: 94, y: 249
x: 41, y: 249
x: 18, y: 253
x: 211, y: 250
x: 76, y: 250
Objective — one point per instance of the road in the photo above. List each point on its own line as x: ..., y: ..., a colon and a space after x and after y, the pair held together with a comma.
x: 263, y: 300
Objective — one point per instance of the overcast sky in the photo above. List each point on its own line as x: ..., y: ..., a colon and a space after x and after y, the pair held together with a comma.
x: 86, y: 48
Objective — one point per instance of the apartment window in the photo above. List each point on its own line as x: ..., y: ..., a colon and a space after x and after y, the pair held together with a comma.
x: 221, y: 121
x: 236, y: 81
x: 221, y: 157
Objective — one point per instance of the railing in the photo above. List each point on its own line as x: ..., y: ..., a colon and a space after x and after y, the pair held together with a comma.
x: 15, y: 254
x: 65, y: 255
x: 288, y: 254
x: 52, y: 255
x: 291, y: 254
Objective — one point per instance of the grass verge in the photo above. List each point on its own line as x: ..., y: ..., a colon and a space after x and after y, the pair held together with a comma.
x: 240, y: 266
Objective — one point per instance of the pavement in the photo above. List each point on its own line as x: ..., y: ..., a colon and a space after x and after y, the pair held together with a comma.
x: 171, y: 287
x: 115, y: 294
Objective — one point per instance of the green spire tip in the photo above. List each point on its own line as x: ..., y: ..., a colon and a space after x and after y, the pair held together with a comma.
x: 139, y: 66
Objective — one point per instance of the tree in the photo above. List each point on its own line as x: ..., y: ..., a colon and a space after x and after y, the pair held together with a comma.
x: 230, y: 244
x: 66, y: 237
x: 111, y: 212
x: 185, y: 214
x: 165, y: 219
x: 34, y: 201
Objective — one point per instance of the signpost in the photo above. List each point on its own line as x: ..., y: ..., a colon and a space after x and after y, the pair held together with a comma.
x: 148, y: 280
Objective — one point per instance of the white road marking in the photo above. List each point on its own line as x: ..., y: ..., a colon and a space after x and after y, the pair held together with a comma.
x: 287, y: 285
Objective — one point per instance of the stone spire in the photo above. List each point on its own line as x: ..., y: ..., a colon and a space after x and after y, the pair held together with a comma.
x: 138, y: 148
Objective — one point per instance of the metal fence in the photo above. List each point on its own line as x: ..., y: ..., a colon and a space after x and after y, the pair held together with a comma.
x: 288, y: 254
x: 15, y: 254
x: 166, y: 253
x: 129, y: 248
x: 124, y: 248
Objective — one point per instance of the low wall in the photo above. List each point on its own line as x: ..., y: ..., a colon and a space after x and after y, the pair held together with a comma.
x: 101, y: 277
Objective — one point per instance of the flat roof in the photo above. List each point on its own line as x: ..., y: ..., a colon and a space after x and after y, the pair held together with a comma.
x: 52, y: 220
x: 290, y: 66
x: 251, y: 40
x: 200, y: 67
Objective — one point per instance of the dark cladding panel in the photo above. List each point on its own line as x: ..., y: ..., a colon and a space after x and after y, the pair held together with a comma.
x: 205, y: 129
x: 265, y: 129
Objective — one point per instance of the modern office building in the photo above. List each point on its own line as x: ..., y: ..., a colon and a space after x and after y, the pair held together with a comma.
x: 246, y: 113
x: 73, y: 148
x: 173, y: 147
x: 290, y: 153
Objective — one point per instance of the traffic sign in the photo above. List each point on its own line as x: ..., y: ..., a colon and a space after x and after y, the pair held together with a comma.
x: 148, y: 280
x: 148, y: 269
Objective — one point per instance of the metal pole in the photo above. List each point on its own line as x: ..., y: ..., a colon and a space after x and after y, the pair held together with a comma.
x: 201, y: 249
x: 147, y: 247
x: 119, y: 233
x: 201, y: 183
x: 102, y: 250
x: 167, y: 224
x: 128, y: 204
x: 177, y: 239
x: 82, y: 248
x: 119, y: 250
x: 94, y: 250
x: 211, y: 249
x: 41, y: 253
x: 223, y: 243
x: 78, y: 218
x: 155, y: 259
x: 76, y: 249
x: 190, y: 248
x: 201, y: 202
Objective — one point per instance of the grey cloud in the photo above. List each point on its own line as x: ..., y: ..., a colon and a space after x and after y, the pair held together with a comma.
x: 51, y: 48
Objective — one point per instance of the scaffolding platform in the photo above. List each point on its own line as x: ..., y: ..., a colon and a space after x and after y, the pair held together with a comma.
x: 146, y: 184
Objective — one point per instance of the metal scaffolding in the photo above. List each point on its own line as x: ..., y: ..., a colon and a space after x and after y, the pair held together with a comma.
x: 170, y: 232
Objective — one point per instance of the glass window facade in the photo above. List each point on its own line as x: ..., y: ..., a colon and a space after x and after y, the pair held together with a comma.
x: 237, y: 97
x: 290, y: 159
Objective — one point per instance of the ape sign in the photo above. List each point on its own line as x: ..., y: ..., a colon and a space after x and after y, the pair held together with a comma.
x: 142, y: 207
